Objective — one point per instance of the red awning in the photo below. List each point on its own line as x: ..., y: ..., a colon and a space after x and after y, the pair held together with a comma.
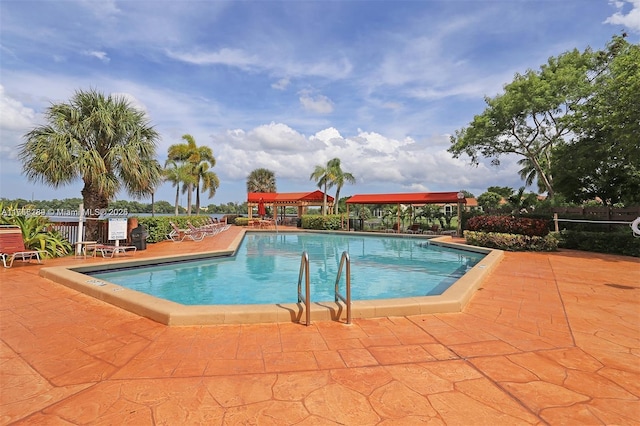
x: 286, y: 197
x: 408, y: 198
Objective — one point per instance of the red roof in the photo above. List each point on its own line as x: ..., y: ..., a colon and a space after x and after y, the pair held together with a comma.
x: 408, y: 198
x: 286, y: 197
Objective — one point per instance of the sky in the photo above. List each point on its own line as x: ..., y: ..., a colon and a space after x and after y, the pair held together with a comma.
x: 289, y: 85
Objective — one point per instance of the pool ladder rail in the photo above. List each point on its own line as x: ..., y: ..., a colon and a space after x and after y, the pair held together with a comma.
x: 306, y: 297
x: 344, y: 260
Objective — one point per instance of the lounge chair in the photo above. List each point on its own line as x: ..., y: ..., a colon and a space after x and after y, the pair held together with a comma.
x: 178, y: 234
x: 108, y: 250
x: 207, y: 230
x: 414, y: 229
x: 12, y: 246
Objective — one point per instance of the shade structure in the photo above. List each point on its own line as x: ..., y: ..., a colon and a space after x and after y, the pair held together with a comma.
x: 414, y: 198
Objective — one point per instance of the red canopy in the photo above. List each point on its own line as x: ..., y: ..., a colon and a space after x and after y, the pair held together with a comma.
x: 286, y: 197
x: 407, y: 198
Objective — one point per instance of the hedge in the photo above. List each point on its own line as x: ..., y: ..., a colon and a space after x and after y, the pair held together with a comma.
x: 621, y: 242
x: 158, y: 227
x: 508, y: 225
x: 512, y: 242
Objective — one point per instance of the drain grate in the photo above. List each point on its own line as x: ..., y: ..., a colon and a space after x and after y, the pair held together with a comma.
x: 622, y: 287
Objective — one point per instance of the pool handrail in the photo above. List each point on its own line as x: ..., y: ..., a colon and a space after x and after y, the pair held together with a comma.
x: 345, y: 259
x: 304, y: 269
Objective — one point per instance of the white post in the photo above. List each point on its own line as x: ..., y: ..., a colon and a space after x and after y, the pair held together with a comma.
x: 555, y: 221
x: 80, y: 230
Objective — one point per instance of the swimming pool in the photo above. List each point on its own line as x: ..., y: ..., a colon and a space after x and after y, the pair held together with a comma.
x: 266, y: 266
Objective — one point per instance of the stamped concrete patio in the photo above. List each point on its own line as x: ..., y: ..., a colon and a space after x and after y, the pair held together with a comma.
x: 550, y: 338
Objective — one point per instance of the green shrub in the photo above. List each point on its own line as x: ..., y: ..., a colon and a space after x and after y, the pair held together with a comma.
x: 622, y: 242
x: 241, y: 221
x: 512, y: 242
x: 328, y: 222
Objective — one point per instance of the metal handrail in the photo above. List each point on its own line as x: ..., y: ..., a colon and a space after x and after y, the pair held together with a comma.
x: 347, y: 300
x: 304, y: 269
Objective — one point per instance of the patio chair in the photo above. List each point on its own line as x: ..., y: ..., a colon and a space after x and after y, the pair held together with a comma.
x: 177, y: 234
x: 109, y: 250
x: 12, y: 246
x: 207, y: 230
x: 414, y: 229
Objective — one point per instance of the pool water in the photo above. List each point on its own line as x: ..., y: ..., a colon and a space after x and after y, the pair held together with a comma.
x: 266, y: 267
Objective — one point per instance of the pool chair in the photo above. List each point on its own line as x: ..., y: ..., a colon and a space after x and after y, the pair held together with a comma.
x: 414, y: 229
x: 177, y: 234
x: 207, y: 230
x: 108, y: 250
x: 12, y: 246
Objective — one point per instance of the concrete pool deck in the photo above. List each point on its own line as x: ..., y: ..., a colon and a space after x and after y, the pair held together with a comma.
x: 549, y: 338
x: 454, y: 299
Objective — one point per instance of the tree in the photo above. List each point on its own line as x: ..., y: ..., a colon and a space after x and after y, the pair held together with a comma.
x: 193, y: 157
x: 180, y: 176
x: 338, y: 178
x: 322, y: 176
x: 103, y: 140
x: 531, y: 116
x: 489, y: 201
x: 503, y: 191
x: 208, y: 181
x: 603, y: 160
x: 261, y: 180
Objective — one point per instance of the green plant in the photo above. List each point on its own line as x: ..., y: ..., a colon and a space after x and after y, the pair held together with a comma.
x: 36, y: 231
x: 512, y: 242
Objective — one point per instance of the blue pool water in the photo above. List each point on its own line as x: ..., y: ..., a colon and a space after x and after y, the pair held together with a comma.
x: 266, y: 267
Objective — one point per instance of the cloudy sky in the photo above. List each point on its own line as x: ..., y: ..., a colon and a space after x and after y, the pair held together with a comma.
x: 288, y: 85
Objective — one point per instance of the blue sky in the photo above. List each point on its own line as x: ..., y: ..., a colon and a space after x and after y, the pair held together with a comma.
x: 288, y: 85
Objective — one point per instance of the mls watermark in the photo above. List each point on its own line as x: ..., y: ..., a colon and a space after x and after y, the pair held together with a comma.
x: 65, y: 212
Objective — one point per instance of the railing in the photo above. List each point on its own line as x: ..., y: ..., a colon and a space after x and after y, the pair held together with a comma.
x: 344, y: 260
x: 304, y: 269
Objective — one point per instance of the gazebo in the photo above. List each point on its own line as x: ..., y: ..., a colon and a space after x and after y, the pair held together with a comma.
x: 300, y: 200
x: 412, y: 198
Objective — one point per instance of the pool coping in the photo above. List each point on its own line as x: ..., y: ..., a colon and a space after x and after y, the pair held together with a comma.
x: 454, y: 299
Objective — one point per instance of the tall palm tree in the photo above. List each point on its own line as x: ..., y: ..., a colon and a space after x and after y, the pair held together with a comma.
x: 103, y: 140
x: 339, y: 178
x: 206, y: 181
x: 178, y: 174
x: 529, y: 173
x: 261, y: 180
x: 323, y: 177
x: 193, y: 156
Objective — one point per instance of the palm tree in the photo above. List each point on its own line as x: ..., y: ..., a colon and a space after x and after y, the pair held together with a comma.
x: 103, y: 140
x: 529, y: 173
x: 261, y: 180
x: 339, y: 178
x: 192, y: 156
x: 322, y: 176
x: 177, y: 174
x: 206, y: 181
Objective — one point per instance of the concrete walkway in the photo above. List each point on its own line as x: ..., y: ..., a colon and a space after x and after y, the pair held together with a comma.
x: 550, y: 338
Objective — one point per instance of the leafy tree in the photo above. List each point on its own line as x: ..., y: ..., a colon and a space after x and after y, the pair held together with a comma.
x: 339, y: 178
x: 489, y: 201
x: 261, y: 180
x: 504, y: 191
x: 103, y: 140
x: 603, y: 160
x: 530, y: 117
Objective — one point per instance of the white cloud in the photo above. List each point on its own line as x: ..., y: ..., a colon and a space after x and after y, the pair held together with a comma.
x: 231, y: 57
x: 281, y: 84
x: 99, y: 55
x: 630, y: 20
x: 13, y: 114
x: 319, y: 104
